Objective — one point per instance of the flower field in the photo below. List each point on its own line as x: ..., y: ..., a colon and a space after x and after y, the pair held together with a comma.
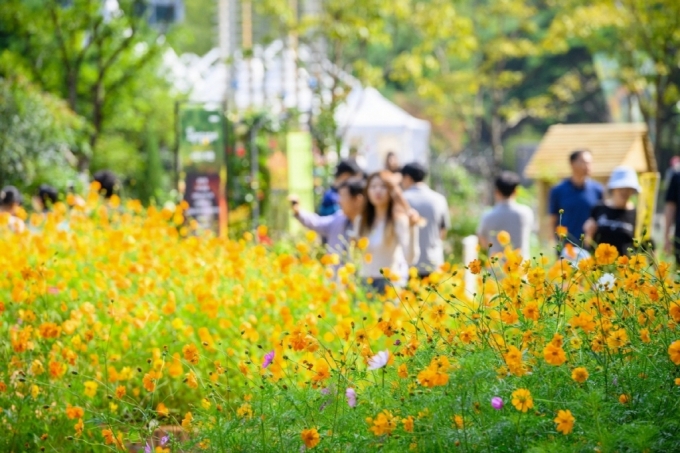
x: 124, y: 332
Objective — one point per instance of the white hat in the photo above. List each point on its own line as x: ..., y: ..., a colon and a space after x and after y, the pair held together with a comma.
x: 623, y: 178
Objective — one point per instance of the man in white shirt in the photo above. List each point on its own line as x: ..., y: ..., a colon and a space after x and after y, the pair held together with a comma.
x: 434, y: 209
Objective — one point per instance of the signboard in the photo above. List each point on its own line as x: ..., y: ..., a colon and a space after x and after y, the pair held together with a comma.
x: 300, y: 172
x: 201, y: 157
x: 646, y: 206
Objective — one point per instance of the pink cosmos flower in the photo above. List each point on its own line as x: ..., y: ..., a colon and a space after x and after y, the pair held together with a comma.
x: 351, y: 397
x: 497, y: 403
x: 379, y: 360
x: 268, y: 359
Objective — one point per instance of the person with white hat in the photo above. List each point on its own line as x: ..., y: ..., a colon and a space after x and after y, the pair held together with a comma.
x: 613, y: 221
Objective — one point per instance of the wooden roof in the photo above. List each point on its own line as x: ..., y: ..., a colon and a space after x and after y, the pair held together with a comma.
x: 612, y: 144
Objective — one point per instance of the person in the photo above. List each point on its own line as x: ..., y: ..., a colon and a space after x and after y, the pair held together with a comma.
x: 331, y: 200
x: 674, y: 167
x: 392, y: 232
x: 108, y: 182
x: 613, y: 222
x: 46, y: 197
x: 337, y: 227
x: 432, y: 207
x: 392, y: 165
x: 10, y: 202
x: 672, y: 214
x: 507, y: 215
x: 572, y: 200
x: 392, y: 162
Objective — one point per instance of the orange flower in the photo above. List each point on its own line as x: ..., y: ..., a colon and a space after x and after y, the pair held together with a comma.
x: 605, y: 254
x: 561, y: 231
x: 554, y: 355
x: 79, y: 427
x: 120, y: 391
x: 579, y: 374
x: 385, y: 423
x: 191, y: 354
x: 565, y: 421
x: 109, y: 438
x: 475, y: 266
x: 408, y: 424
x: 74, y: 412
x: 674, y: 352
x: 310, y: 437
x: 530, y: 311
x: 191, y: 380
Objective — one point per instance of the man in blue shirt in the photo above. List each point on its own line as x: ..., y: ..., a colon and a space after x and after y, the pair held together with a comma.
x: 575, y: 197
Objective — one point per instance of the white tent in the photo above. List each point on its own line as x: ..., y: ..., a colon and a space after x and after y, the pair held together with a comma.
x: 375, y: 126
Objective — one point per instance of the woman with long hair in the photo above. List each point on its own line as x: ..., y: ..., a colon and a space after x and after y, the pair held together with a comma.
x: 392, y: 232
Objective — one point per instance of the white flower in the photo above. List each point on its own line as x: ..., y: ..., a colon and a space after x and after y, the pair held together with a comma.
x: 606, y: 282
x: 379, y: 360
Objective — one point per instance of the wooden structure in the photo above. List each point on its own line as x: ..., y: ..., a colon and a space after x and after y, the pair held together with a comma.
x: 610, y: 144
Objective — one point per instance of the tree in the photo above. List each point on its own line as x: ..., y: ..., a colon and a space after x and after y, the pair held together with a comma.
x: 82, y: 52
x: 642, y: 37
x: 37, y: 133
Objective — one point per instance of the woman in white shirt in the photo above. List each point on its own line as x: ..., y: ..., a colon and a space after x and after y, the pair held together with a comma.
x: 391, y: 229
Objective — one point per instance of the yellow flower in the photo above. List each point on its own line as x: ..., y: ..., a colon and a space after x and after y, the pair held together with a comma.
x: 458, y: 421
x: 362, y: 244
x: 90, y: 389
x: 503, y: 238
x: 162, y: 410
x: 402, y: 371
x: 310, y: 437
x: 522, y: 400
x: 245, y: 411
x: 579, y: 374
x: 186, y: 421
x: 565, y: 421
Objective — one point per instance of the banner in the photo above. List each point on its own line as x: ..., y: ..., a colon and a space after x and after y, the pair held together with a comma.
x: 300, y: 172
x: 201, y: 158
x: 646, y: 205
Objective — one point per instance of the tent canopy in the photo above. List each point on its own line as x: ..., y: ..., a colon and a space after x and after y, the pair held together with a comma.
x: 374, y: 126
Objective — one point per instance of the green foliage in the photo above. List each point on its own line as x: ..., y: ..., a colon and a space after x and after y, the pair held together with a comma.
x: 197, y: 33
x: 37, y: 135
x: 106, y: 68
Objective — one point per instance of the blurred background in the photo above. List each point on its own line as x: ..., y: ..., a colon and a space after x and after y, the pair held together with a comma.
x: 234, y: 104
